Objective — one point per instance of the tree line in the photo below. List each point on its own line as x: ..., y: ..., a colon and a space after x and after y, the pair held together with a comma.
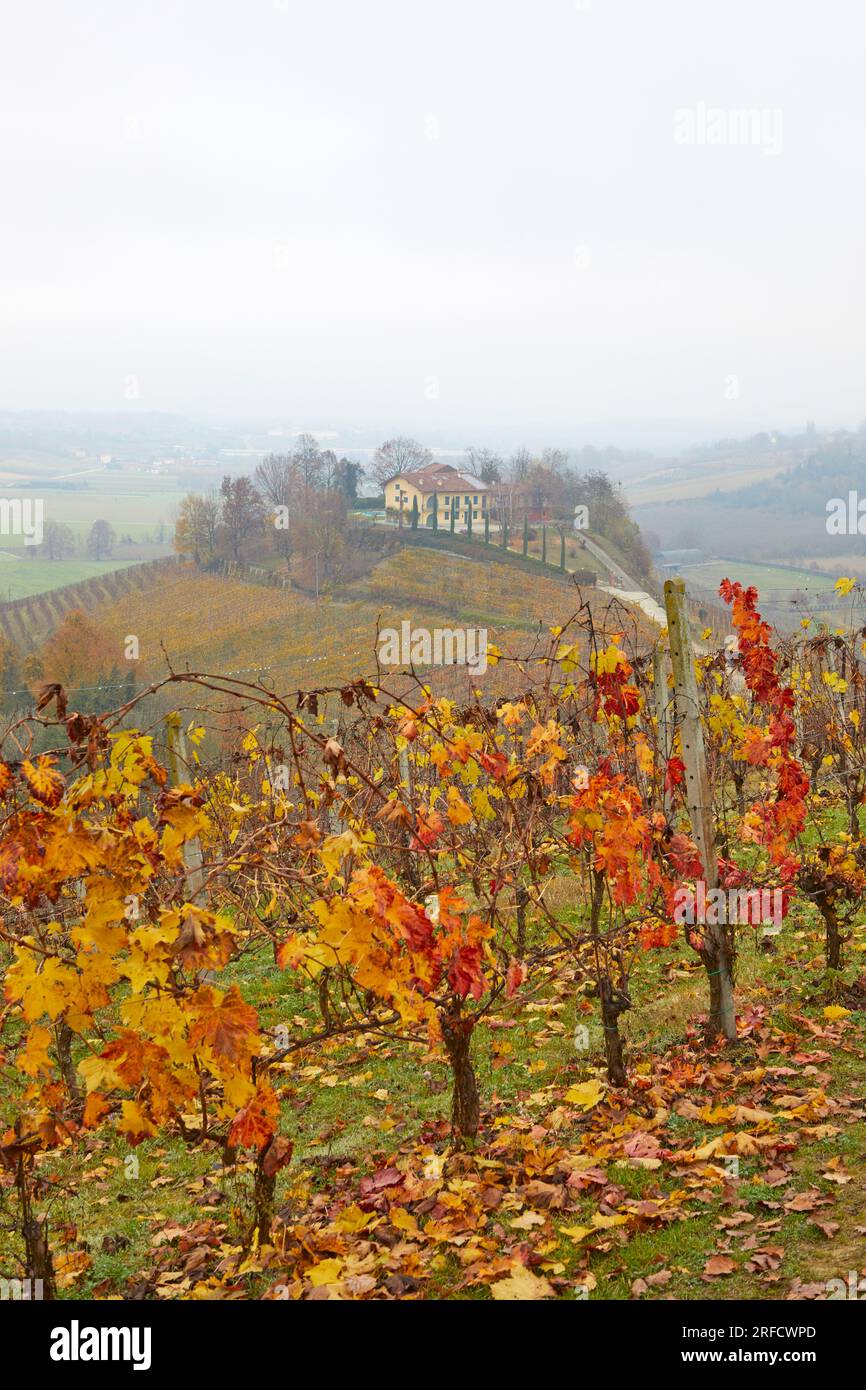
x: 301, y: 500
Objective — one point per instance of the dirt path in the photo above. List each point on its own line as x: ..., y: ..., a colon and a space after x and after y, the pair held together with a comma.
x: 641, y: 599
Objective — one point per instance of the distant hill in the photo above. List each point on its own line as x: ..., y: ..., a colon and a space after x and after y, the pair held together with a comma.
x: 779, y: 518
x: 805, y: 489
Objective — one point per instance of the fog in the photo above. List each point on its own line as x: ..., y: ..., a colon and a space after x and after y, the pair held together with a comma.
x: 459, y: 216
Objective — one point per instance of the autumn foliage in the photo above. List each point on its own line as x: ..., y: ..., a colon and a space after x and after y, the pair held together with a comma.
x: 394, y: 853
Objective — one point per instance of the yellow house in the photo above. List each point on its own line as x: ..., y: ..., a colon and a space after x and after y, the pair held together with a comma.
x: 453, y: 491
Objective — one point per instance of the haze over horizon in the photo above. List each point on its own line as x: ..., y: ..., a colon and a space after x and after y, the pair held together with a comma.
x: 452, y: 222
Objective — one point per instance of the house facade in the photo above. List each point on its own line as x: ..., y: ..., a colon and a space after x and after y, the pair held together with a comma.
x: 441, y: 488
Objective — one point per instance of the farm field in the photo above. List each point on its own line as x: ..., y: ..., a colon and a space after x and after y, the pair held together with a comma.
x: 21, y: 465
x: 20, y: 576
x: 767, y: 578
x: 135, y: 505
x: 691, y: 483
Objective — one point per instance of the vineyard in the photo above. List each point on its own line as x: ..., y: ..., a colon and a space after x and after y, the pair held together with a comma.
x: 262, y: 627
x: 25, y: 622
x: 553, y: 994
x: 472, y: 590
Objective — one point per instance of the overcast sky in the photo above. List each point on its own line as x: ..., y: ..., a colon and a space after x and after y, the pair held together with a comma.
x: 458, y: 214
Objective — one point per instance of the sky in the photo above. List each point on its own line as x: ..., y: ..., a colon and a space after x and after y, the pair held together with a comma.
x: 471, y: 216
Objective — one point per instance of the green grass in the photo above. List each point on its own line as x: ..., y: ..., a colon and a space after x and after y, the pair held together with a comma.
x: 766, y: 578
x: 135, y: 505
x: 23, y: 577
x: 350, y: 1104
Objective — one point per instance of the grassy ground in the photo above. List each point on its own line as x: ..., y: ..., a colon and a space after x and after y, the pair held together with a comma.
x: 20, y: 577
x: 167, y: 1219
x: 136, y: 505
x: 766, y: 578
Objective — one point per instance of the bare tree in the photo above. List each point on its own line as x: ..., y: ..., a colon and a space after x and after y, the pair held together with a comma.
x: 486, y: 465
x: 58, y: 543
x: 554, y: 459
x: 308, y: 457
x: 398, y: 455
x: 274, y: 478
x: 100, y: 542
x: 242, y: 513
x: 319, y: 532
x: 519, y: 465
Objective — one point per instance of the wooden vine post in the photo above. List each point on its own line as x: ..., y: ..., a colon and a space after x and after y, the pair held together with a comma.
x: 660, y: 697
x: 717, y: 946
x: 177, y: 765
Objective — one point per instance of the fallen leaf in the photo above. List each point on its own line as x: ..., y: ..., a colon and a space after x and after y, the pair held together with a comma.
x: 521, y: 1286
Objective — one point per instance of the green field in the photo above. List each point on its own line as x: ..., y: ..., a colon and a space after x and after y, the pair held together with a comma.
x: 19, y: 578
x: 767, y: 579
x: 136, y: 505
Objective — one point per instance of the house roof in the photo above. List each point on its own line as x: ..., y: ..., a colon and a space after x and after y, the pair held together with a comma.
x: 440, y: 477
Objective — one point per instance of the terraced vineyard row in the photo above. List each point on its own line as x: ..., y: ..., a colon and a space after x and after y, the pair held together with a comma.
x: 26, y: 622
x: 210, y: 622
x: 474, y: 591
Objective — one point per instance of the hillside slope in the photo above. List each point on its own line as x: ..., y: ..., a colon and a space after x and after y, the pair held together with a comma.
x: 207, y: 622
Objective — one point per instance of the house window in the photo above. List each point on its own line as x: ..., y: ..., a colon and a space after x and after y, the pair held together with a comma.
x: 474, y: 499
x: 466, y: 501
x: 484, y: 500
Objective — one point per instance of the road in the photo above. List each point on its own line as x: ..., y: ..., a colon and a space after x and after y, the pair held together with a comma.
x: 630, y: 591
